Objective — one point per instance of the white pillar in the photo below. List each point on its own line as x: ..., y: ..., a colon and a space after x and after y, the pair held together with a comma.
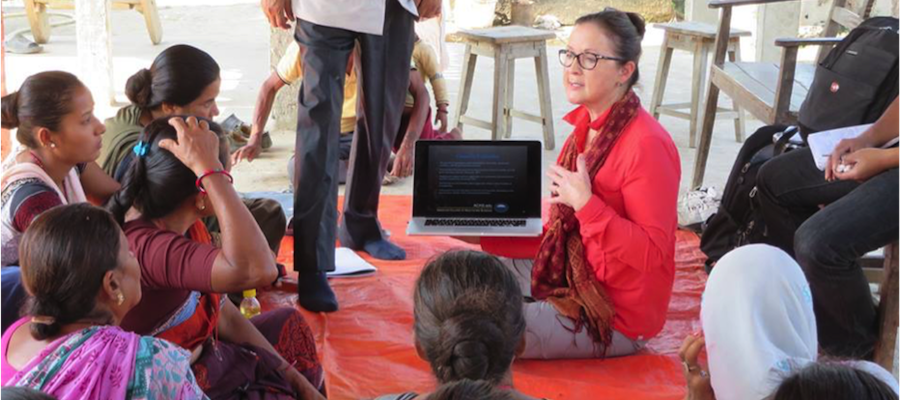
x: 699, y: 11
x: 774, y: 21
x: 815, y: 13
x: 93, y: 38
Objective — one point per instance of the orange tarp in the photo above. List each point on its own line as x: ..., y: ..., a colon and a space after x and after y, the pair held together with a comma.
x: 367, y: 347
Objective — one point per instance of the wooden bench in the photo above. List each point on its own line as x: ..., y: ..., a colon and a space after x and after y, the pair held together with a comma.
x: 887, y: 308
x: 505, y: 45
x: 39, y: 19
x: 697, y: 38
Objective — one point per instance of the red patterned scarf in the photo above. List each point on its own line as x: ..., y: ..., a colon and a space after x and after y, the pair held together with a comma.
x: 562, y: 274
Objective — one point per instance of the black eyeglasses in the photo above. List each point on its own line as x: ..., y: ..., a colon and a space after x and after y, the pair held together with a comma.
x: 586, y: 60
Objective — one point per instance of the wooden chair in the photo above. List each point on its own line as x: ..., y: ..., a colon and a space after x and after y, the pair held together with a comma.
x: 771, y: 92
x: 889, y: 309
x: 39, y: 18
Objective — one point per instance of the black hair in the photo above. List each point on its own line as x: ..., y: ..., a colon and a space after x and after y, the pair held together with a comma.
x: 177, y: 76
x: 468, y: 316
x: 157, y: 182
x: 466, y: 389
x: 64, y: 254
x: 833, y: 381
x: 625, y: 29
x: 42, y: 101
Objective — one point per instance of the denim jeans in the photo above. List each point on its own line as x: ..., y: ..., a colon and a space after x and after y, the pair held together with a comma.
x: 827, y: 227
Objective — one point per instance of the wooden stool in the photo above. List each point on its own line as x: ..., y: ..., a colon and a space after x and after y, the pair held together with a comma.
x: 888, y: 310
x: 39, y: 20
x: 697, y: 38
x: 505, y: 45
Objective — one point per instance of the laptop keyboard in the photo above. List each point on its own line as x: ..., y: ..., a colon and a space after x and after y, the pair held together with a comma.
x: 474, y: 222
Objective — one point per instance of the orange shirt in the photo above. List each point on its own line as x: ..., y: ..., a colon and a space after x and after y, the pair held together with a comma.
x: 628, y: 226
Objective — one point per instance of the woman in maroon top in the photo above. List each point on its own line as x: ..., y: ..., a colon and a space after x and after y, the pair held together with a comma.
x: 179, y: 175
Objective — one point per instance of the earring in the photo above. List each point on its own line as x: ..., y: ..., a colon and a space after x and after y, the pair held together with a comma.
x: 120, y: 298
x: 202, y: 206
x: 52, y: 145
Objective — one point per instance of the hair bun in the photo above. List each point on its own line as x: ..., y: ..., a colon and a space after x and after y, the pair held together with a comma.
x: 137, y: 88
x: 49, y: 315
x: 470, y: 359
x: 472, y: 340
x: 10, y: 111
x: 638, y: 21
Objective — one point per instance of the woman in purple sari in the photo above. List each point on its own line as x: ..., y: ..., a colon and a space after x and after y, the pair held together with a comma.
x: 83, y: 279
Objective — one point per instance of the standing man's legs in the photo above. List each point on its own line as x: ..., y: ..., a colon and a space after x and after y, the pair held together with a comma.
x: 384, y: 82
x: 317, y: 150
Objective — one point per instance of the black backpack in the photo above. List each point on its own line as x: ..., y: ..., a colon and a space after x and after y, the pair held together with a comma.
x: 856, y: 81
x: 853, y: 85
x: 737, y: 221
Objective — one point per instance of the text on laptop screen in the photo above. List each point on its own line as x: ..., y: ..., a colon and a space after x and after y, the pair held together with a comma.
x: 479, y: 181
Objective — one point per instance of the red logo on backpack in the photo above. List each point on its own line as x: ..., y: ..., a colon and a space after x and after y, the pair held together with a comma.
x: 835, y: 87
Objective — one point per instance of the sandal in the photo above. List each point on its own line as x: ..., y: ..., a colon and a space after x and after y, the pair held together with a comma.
x: 20, y: 45
x: 389, y: 180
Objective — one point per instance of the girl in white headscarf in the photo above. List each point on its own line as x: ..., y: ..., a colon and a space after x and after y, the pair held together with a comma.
x: 758, y: 327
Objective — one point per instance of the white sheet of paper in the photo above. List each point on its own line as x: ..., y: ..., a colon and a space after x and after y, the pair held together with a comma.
x: 821, y: 144
x: 348, y: 264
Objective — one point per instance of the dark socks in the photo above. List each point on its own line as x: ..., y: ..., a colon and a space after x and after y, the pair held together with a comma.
x: 314, y: 293
x: 384, y: 250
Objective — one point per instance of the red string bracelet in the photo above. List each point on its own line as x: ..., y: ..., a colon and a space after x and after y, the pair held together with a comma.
x: 199, y: 182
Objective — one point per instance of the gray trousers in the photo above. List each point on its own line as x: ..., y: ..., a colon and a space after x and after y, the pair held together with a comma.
x: 549, y: 335
x: 383, y: 83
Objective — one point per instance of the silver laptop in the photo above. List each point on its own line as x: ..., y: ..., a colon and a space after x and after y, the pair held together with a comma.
x: 476, y: 188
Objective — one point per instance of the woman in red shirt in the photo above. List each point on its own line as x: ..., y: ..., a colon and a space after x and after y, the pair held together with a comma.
x: 602, y: 272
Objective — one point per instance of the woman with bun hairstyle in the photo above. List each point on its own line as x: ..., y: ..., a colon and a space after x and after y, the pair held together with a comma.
x: 468, y: 321
x: 177, y: 178
x: 183, y: 80
x: 601, y: 274
x: 83, y: 280
x: 53, y: 114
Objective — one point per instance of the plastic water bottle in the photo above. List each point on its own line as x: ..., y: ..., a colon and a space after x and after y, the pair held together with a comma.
x: 250, y: 305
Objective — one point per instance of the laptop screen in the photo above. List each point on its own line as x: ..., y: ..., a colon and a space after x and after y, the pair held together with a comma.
x: 477, y: 179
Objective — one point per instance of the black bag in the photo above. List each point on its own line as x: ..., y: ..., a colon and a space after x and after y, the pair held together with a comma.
x: 856, y: 81
x: 737, y: 221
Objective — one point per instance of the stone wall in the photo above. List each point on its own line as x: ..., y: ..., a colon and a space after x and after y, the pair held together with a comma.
x: 568, y: 10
